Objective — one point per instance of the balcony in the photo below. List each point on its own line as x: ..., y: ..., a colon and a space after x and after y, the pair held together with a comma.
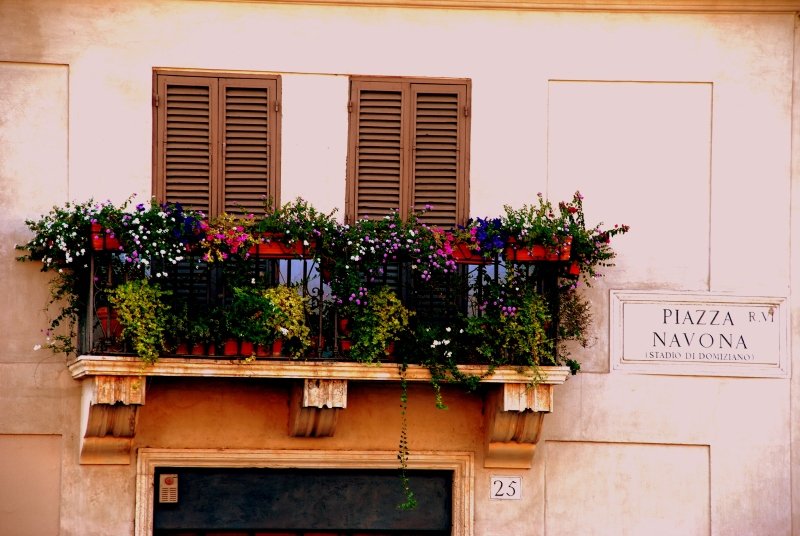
x: 165, y: 292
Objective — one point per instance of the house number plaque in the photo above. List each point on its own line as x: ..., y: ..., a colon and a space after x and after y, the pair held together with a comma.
x: 699, y: 334
x: 505, y: 488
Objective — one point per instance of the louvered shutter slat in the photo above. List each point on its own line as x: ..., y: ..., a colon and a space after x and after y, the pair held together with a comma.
x: 247, y: 133
x: 187, y: 143
x: 436, y: 155
x: 379, y: 152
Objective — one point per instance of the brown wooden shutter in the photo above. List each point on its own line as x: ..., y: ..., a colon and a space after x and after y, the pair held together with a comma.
x: 437, y: 164
x: 186, y: 138
x: 409, y: 147
x: 377, y: 149
x: 248, y: 130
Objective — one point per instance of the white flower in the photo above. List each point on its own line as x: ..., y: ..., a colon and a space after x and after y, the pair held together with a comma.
x: 283, y: 331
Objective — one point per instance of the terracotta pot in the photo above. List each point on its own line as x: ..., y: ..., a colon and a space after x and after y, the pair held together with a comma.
x: 230, y: 347
x: 574, y: 268
x: 112, y: 329
x: 263, y: 350
x: 212, y: 348
x: 517, y: 253
x: 246, y: 348
x: 534, y: 253
x: 271, y: 246
x: 565, y: 249
x: 198, y: 348
x: 344, y: 345
x: 277, y: 348
x: 344, y: 326
x: 102, y: 240
x: 182, y: 348
x: 463, y: 255
x: 326, y: 270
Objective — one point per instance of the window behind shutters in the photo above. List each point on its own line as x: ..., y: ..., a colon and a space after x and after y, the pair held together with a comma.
x: 408, y: 146
x: 216, y: 140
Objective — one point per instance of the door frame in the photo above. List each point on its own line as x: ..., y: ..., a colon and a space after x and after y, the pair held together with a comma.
x: 462, y: 465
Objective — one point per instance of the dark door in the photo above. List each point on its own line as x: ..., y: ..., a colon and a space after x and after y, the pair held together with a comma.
x: 301, y: 502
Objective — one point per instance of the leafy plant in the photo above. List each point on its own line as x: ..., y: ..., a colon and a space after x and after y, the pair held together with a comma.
x: 253, y: 315
x: 226, y: 236
x: 379, y: 321
x: 533, y: 224
x: 143, y: 315
x: 591, y: 247
x: 296, y: 221
x: 61, y: 241
x: 157, y: 237
x: 510, y: 322
x: 289, y: 322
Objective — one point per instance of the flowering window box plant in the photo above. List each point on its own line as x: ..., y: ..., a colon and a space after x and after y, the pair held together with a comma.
x: 291, y: 230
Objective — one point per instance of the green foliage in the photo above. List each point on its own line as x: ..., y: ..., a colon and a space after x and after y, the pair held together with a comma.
x: 379, y: 321
x: 296, y: 220
x: 509, y: 324
x: 143, y: 315
x: 253, y: 316
x: 289, y: 322
x: 533, y: 224
x: 591, y: 246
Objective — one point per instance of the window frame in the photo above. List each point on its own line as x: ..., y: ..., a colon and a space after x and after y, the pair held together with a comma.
x: 161, y: 76
x: 409, y: 86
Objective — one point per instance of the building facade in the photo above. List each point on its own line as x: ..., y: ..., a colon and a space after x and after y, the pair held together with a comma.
x: 676, y: 118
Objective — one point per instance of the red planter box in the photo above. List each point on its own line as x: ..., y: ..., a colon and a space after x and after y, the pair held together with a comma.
x: 463, y: 255
x: 272, y: 247
x: 516, y: 253
x: 103, y: 241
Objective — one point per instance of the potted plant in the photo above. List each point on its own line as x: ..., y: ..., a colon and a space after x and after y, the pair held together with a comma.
x: 253, y: 318
x: 534, y: 233
x: 226, y: 236
x: 591, y: 247
x: 378, y: 322
x: 199, y: 334
x: 62, y: 242
x: 143, y: 315
x: 157, y: 237
x: 289, y: 321
x: 509, y: 324
x: 480, y: 241
x: 292, y: 230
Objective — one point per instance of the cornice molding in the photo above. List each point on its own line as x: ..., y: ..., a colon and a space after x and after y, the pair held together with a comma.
x: 671, y: 6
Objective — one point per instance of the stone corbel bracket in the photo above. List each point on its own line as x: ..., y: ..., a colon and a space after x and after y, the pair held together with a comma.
x: 513, y: 418
x: 109, y: 408
x: 314, y: 407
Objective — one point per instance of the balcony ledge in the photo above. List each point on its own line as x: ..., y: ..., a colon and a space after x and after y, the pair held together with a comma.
x: 113, y: 392
x: 114, y: 365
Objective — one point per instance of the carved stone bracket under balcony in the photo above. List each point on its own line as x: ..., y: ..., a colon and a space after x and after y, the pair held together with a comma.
x: 110, y: 405
x: 315, y: 406
x: 114, y: 389
x: 514, y: 415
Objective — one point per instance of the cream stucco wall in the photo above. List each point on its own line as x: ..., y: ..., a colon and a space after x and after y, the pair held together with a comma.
x: 680, y: 125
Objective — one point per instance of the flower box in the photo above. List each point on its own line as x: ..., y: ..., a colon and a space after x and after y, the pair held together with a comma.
x: 462, y: 254
x: 515, y: 252
x: 102, y: 241
x: 272, y: 246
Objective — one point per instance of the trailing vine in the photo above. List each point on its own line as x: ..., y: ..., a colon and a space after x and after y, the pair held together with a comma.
x: 411, y: 502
